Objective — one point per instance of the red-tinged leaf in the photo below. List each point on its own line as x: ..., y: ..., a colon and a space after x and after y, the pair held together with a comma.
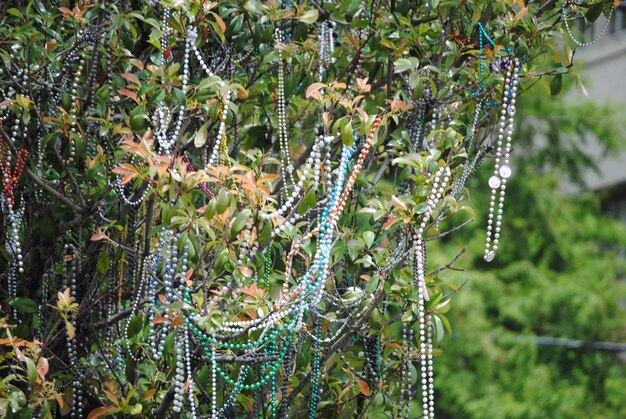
x: 71, y: 330
x: 363, y: 86
x: 158, y: 320
x: 101, y: 412
x: 128, y: 93
x: 219, y: 21
x: 393, y: 345
x: 65, y: 11
x: 177, y: 321
x: 50, y: 45
x: 365, y: 277
x: 314, y: 91
x: 162, y: 298
x: 246, y: 271
x: 148, y: 394
x: 167, y: 52
x: 391, y: 221
x: 43, y: 367
x: 137, y: 63
x: 128, y: 177
x: 64, y: 297
x: 97, y: 236
x: 397, y: 202
x: 60, y: 401
x: 131, y: 78
x: 364, y: 388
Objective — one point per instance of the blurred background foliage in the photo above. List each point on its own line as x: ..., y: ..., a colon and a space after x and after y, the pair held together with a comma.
x: 560, y: 274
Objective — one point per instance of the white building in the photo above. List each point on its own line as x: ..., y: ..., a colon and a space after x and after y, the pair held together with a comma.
x: 604, y: 68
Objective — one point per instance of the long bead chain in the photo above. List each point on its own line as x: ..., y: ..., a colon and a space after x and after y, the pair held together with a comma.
x: 286, y: 166
x: 11, y: 175
x: 470, y: 165
x: 440, y: 182
x: 169, y: 270
x: 312, y: 167
x: 501, y: 170
x: 569, y: 30
x: 143, y: 280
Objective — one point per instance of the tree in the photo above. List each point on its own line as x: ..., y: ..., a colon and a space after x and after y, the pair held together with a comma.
x: 225, y: 206
x: 530, y: 334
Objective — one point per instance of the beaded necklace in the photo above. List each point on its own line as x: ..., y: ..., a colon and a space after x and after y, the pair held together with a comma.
x: 502, y: 170
x: 440, y: 183
x: 569, y: 3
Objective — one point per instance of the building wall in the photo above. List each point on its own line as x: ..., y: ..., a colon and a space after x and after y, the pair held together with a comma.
x: 604, y: 77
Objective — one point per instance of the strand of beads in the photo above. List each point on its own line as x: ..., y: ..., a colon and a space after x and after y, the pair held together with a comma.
x: 189, y: 371
x: 179, y: 379
x: 70, y: 264
x: 192, y: 36
x: 202, y: 186
x: 74, y: 135
x: 152, y: 296
x: 221, y: 131
x: 10, y: 179
x: 143, y: 280
x: 440, y: 182
x: 502, y: 170
x: 213, y: 383
x: 470, y: 166
x: 316, y: 372
x: 119, y: 187
x: 312, y: 166
x: 404, y: 405
x: 483, y: 35
x: 286, y: 166
x: 169, y: 270
x: 569, y: 30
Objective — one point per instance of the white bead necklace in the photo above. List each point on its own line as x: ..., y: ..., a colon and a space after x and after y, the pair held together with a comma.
x: 440, y: 182
x: 571, y: 35
x: 192, y: 35
x: 501, y: 170
x: 286, y: 166
x: 312, y: 168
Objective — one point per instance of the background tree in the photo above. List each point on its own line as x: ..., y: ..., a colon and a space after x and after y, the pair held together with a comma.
x: 225, y: 206
x: 529, y: 334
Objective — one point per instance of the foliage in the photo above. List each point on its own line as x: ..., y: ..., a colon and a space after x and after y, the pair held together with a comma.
x: 561, y: 277
x: 100, y: 94
x: 24, y: 388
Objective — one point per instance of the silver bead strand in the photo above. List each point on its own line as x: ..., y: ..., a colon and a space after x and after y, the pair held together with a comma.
x: 571, y: 35
x: 501, y: 170
x: 440, y: 182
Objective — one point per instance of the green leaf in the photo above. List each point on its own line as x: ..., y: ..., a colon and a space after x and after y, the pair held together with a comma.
x: 135, y: 326
x: 223, y: 201
x: 372, y: 284
x: 556, y: 84
x: 24, y: 305
x: 31, y: 370
x: 594, y: 12
x: 368, y: 238
x: 14, y: 12
x: 347, y: 134
x: 405, y: 64
x: 254, y: 6
x: 240, y: 222
x: 104, y: 262
x: 310, y: 16
x: 201, y: 135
